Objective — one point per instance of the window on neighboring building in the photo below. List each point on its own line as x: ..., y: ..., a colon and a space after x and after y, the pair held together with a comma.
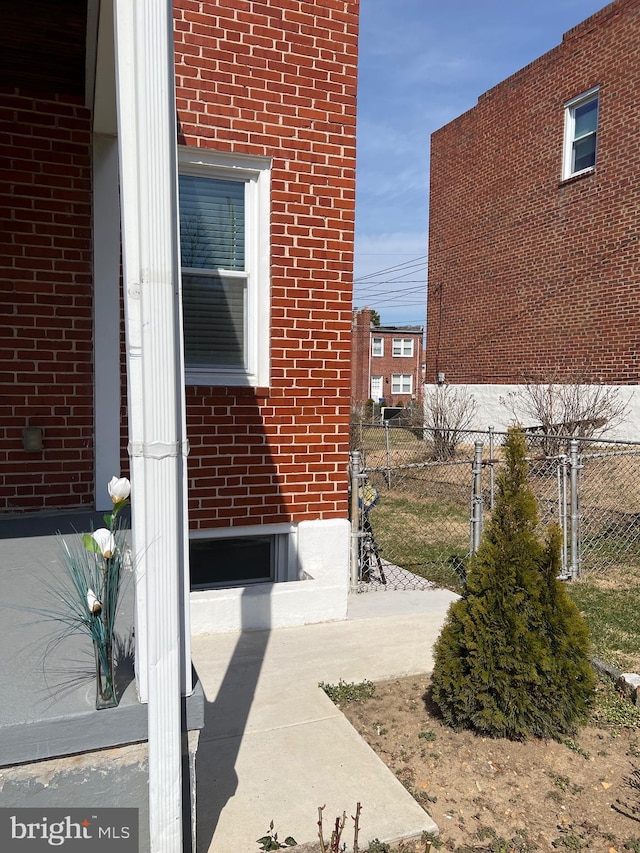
x: 403, y: 346
x: 224, y: 243
x: 376, y: 388
x: 377, y: 346
x: 580, y: 133
x: 401, y: 383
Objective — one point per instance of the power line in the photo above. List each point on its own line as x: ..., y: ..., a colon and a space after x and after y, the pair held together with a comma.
x: 393, y: 269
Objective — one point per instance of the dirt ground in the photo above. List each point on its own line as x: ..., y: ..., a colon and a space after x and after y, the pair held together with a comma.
x: 499, y: 796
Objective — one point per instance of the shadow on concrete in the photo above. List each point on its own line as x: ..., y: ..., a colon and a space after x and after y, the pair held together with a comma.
x: 225, y: 723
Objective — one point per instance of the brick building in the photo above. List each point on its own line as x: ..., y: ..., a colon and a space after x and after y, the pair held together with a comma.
x: 177, y: 204
x: 534, y: 259
x: 265, y: 102
x: 386, y: 361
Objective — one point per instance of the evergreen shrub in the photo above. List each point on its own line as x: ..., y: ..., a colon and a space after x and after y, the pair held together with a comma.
x: 513, y: 656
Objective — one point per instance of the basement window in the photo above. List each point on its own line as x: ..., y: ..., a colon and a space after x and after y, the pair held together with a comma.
x: 238, y: 561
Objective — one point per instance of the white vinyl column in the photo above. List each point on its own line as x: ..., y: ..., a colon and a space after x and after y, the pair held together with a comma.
x: 157, y: 434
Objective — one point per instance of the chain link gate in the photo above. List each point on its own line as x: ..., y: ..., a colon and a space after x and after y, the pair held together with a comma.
x: 429, y: 512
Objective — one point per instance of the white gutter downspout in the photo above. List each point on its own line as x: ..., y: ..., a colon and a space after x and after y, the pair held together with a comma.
x: 145, y: 85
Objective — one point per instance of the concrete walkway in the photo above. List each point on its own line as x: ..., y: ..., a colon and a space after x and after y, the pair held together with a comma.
x: 274, y: 747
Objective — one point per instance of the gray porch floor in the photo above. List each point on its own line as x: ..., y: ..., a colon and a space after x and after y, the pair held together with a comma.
x: 48, y: 688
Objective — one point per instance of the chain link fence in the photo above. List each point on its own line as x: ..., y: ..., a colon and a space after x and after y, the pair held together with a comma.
x: 422, y: 496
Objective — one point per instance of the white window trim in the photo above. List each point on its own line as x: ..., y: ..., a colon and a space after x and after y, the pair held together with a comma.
x: 569, y: 132
x: 397, y: 380
x: 401, y: 346
x: 256, y: 171
x: 373, y: 340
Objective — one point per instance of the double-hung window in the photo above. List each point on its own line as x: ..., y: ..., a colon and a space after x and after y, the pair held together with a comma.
x: 403, y: 347
x: 224, y: 244
x: 580, y: 134
x: 377, y: 346
x: 401, y: 383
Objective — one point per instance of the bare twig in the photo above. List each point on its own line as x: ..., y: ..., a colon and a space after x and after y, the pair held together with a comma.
x: 356, y: 828
x: 322, y: 844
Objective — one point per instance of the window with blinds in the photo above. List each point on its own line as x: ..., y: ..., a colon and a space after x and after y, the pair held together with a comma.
x: 225, y: 246
x: 214, y: 278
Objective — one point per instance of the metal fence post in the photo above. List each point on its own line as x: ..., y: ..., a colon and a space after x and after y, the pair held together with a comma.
x: 355, y: 516
x: 476, y: 500
x: 388, y: 446
x: 492, y: 473
x: 574, y: 467
x: 563, y: 465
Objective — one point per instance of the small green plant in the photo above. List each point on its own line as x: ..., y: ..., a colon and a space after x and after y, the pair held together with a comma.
x: 554, y: 796
x: 429, y: 736
x: 429, y: 840
x: 633, y: 845
x: 377, y: 846
x: 574, y: 747
x: 568, y: 842
x: 612, y: 709
x: 633, y: 751
x: 348, y: 691
x: 559, y: 780
x: 270, y: 841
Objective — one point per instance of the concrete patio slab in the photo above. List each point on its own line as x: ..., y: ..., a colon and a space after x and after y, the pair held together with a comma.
x: 275, y: 748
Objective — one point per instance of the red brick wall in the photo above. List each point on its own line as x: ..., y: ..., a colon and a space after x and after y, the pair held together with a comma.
x: 273, y: 79
x: 46, y: 349
x: 526, y: 272
x: 278, y: 79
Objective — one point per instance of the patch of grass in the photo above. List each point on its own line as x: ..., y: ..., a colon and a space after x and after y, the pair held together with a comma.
x: 612, y: 618
x: 428, y: 538
x: 559, y: 780
x: 429, y: 736
x: 611, y: 709
x: 568, y: 842
x: 574, y: 747
x: 348, y: 691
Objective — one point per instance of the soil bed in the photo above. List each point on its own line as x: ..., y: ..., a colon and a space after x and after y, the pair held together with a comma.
x: 499, y: 795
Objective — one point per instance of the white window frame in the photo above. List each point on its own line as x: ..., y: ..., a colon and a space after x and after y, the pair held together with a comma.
x: 255, y: 172
x: 377, y: 381
x: 403, y: 347
x: 376, y: 339
x: 398, y: 381
x: 569, y: 131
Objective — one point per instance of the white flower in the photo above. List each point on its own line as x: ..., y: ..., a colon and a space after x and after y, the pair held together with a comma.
x: 119, y: 489
x: 92, y: 602
x: 105, y: 540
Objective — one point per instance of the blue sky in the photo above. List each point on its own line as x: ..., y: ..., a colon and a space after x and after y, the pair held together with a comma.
x: 423, y: 63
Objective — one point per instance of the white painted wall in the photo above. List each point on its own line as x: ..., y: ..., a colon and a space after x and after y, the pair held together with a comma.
x: 492, y: 412
x: 322, y: 558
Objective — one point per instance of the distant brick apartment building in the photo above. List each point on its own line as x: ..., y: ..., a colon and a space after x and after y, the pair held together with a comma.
x: 266, y: 103
x: 386, y: 361
x: 534, y: 256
